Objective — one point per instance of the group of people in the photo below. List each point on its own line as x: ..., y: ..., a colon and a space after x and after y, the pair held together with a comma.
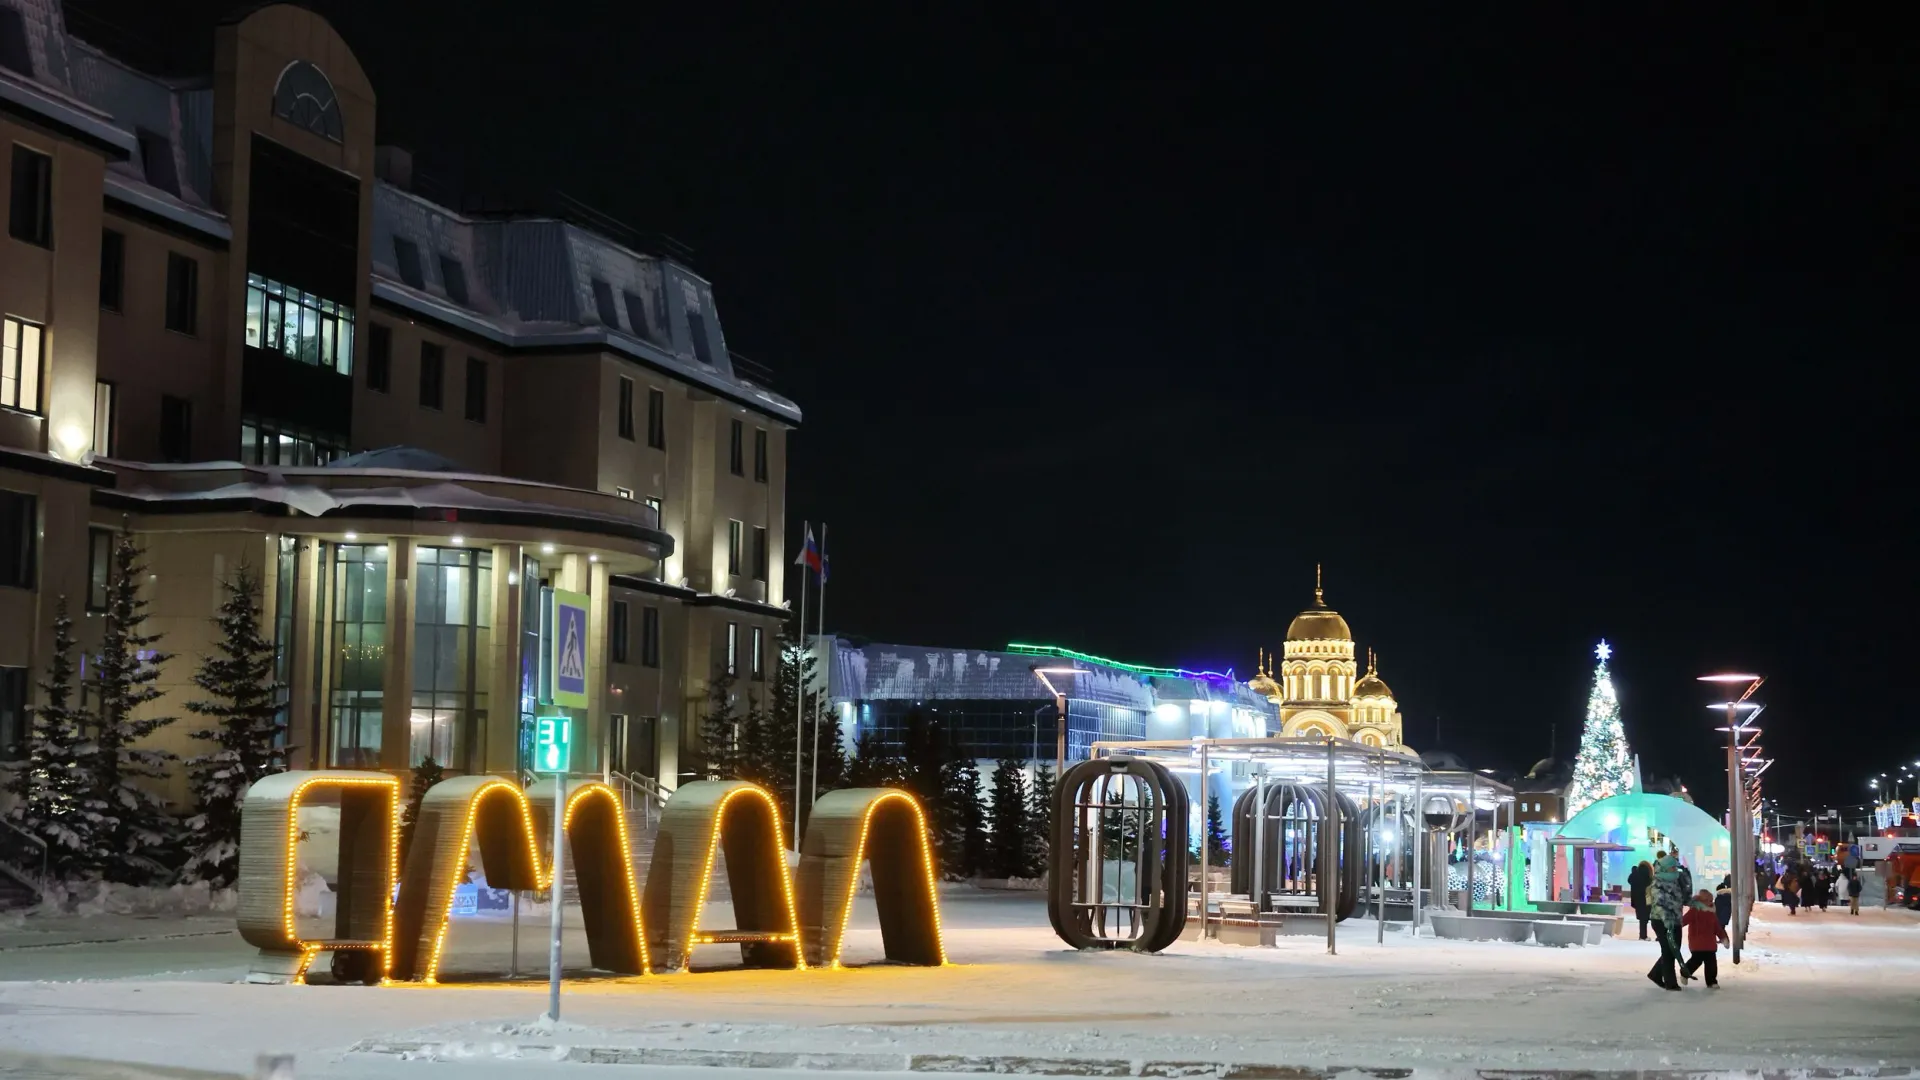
x: 1663, y: 896
x: 1808, y: 886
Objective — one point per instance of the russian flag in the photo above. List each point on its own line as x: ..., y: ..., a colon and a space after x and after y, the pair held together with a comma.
x: 810, y: 555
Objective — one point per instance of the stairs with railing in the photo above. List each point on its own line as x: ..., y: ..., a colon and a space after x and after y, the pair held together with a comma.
x: 18, y: 887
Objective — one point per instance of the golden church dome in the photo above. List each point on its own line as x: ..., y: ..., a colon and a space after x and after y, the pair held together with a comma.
x: 1371, y: 686
x: 1319, y: 623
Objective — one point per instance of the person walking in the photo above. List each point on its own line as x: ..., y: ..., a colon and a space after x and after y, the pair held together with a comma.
x: 1790, y: 891
x: 1704, y: 935
x: 1723, y: 902
x: 1639, y: 880
x: 1822, y: 888
x: 1854, y: 888
x: 1666, y: 921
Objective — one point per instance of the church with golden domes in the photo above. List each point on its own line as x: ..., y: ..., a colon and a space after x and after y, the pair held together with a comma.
x: 1316, y: 690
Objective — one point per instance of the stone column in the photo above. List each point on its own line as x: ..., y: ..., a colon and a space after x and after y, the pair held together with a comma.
x: 599, y: 607
x: 500, y: 741
x: 396, y: 713
x: 305, y: 708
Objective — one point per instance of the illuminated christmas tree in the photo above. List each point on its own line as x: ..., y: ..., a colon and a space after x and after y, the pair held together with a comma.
x: 1604, y: 767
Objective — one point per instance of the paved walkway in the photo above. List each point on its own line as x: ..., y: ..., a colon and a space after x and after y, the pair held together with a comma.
x: 1820, y: 991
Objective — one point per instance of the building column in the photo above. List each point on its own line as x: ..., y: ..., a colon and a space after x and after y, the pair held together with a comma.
x: 599, y: 608
x: 500, y: 741
x: 303, y: 706
x: 396, y: 689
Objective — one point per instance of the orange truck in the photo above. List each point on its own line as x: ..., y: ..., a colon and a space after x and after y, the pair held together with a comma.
x: 1897, y: 861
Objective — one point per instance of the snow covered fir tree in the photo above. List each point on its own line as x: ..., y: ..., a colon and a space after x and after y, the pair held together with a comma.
x: 240, y: 698
x: 1604, y: 767
x: 137, y: 829
x: 52, y: 794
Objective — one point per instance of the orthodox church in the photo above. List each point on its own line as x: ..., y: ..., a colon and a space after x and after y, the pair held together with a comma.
x: 1316, y: 690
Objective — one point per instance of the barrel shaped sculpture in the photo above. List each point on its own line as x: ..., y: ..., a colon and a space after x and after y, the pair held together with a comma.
x: 629, y: 931
x: 1117, y: 853
x: 1288, y: 857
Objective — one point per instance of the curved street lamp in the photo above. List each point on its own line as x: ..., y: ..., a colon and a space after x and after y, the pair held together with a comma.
x: 1739, y: 832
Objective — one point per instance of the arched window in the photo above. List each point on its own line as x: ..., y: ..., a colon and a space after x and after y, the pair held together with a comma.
x: 303, y: 97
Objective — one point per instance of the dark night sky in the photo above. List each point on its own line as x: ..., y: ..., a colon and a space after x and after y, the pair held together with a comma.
x: 1533, y: 332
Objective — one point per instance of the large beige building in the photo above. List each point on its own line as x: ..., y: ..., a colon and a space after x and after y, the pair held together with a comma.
x: 1317, y: 688
x: 233, y: 329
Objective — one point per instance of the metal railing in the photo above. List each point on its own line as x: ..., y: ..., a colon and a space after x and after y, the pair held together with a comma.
x: 45, y: 853
x: 640, y: 794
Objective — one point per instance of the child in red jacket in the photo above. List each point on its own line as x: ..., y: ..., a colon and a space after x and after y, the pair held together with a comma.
x: 1704, y: 936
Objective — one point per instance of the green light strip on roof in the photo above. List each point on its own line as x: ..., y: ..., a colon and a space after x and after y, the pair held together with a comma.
x: 1071, y: 654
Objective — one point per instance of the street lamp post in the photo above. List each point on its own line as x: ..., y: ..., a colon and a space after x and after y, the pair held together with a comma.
x: 1060, y: 709
x: 1739, y: 834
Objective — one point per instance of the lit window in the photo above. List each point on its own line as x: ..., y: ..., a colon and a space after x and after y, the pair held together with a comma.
x: 103, y: 402
x: 299, y: 324
x: 733, y: 648
x: 758, y: 666
x: 625, y: 493
x: 20, y: 364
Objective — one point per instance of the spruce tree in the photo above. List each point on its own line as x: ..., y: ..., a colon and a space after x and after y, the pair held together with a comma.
x: 963, y: 818
x: 425, y: 775
x: 1604, y: 766
x: 720, y: 731
x: 872, y: 765
x: 1010, y: 850
x: 1040, y: 817
x: 53, y: 797
x: 1218, y: 851
x: 123, y: 769
x: 242, y: 703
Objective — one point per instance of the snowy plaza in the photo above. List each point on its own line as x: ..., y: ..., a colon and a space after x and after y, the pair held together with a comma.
x: 1822, y: 990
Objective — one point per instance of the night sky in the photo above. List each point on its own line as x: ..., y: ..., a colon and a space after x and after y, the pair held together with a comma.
x: 1106, y: 331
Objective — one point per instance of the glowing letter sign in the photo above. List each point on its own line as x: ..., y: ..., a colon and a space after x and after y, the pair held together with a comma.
x: 631, y: 931
x: 552, y: 744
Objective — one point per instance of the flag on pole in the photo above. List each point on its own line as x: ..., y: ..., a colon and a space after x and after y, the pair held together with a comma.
x: 810, y: 556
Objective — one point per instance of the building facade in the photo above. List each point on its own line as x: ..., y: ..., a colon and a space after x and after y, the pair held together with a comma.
x: 232, y: 328
x: 995, y: 704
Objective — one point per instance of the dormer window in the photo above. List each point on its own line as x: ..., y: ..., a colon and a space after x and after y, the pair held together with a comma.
x: 304, y: 98
x: 454, y: 277
x: 406, y: 259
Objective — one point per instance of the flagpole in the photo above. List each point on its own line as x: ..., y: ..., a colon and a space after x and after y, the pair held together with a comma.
x: 819, y: 634
x: 798, y: 698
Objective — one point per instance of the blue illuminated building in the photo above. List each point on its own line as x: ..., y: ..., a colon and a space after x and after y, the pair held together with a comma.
x: 994, y: 704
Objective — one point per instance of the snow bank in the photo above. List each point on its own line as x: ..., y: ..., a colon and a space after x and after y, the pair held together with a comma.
x: 95, y: 899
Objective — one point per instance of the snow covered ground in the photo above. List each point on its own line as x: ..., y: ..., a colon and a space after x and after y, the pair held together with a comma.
x: 1815, y: 991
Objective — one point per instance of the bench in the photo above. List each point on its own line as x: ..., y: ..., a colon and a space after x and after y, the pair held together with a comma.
x: 1459, y: 927
x: 1561, y: 934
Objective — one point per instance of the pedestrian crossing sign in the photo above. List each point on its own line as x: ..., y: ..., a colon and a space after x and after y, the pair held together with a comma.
x: 567, y: 644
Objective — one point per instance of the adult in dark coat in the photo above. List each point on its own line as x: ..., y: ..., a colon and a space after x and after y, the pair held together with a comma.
x: 1638, y: 879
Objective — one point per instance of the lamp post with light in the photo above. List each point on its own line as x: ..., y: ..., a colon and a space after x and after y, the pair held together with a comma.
x: 1060, y: 709
x: 1739, y: 834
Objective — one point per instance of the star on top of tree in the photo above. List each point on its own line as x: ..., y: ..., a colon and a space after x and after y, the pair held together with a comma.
x: 1604, y: 651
